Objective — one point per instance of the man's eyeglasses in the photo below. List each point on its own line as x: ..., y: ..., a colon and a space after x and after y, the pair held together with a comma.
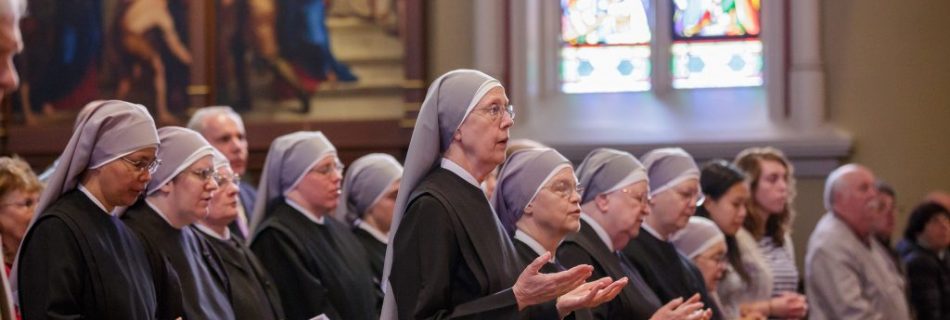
x: 494, y: 112
x: 142, y: 165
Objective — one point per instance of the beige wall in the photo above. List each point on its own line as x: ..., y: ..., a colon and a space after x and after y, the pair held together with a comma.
x: 888, y: 83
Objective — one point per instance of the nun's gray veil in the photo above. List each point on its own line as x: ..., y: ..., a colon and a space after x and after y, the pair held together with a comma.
x: 105, y: 133
x: 289, y: 159
x: 522, y: 175
x: 366, y: 181
x: 448, y: 102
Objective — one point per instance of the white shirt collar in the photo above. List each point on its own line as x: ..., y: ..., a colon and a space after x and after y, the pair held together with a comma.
x: 533, y: 244
x: 225, y: 237
x: 160, y: 213
x: 459, y: 171
x: 652, y: 231
x: 599, y: 230
x: 305, y: 212
x: 88, y: 194
x: 379, y: 235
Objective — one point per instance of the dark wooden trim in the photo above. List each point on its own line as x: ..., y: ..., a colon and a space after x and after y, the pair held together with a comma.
x: 414, y: 27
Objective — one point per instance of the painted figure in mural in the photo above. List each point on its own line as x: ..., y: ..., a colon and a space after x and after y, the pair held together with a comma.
x: 64, y: 41
x: 305, y: 41
x: 134, y: 25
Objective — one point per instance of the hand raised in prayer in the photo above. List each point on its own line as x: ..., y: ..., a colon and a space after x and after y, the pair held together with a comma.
x: 789, y: 305
x: 677, y: 309
x: 534, y: 287
x: 589, y: 295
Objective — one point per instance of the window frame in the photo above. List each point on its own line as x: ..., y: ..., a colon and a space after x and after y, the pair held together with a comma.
x: 786, y: 112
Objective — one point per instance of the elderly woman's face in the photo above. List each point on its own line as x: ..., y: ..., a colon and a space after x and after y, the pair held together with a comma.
x: 16, y: 210
x: 712, y: 263
x: 626, y: 209
x: 675, y: 205
x: 192, y: 189
x: 556, y: 208
x: 122, y: 181
x: 484, y: 133
x: 224, y: 207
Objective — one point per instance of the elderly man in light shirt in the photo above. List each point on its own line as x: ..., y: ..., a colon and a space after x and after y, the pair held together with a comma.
x: 846, y: 276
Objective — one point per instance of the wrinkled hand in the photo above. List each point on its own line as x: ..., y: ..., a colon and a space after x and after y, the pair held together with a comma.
x: 677, y: 309
x: 589, y: 295
x: 534, y: 287
x: 789, y: 305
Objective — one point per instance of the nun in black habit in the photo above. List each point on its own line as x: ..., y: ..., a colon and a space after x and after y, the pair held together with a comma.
x: 177, y: 196
x: 317, y: 264
x: 614, y: 202
x: 77, y: 259
x: 536, y: 199
x: 369, y: 194
x: 675, y: 192
x: 450, y: 257
x: 253, y: 294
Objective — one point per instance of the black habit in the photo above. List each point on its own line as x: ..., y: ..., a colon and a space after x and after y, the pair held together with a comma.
x: 527, y: 255
x: 669, y: 273
x: 635, y: 301
x: 80, y: 262
x: 375, y: 253
x: 451, y: 257
x: 318, y: 268
x: 201, y: 278
x: 253, y: 294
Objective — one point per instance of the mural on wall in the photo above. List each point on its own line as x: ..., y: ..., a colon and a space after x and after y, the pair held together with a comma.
x: 262, y: 57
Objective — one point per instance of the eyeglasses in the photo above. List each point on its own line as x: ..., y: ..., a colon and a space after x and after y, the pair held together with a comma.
x: 142, y: 165
x: 28, y: 203
x: 494, y: 112
x: 327, y: 168
x: 223, y: 179
x: 643, y: 198
x: 692, y: 196
x: 207, y: 174
x: 718, y: 258
x: 565, y: 189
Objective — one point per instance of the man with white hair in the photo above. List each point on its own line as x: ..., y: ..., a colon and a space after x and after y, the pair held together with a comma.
x: 846, y: 277
x: 224, y: 129
x: 10, y: 44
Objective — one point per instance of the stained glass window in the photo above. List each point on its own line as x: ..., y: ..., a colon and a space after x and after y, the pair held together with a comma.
x: 605, y: 45
x: 716, y: 43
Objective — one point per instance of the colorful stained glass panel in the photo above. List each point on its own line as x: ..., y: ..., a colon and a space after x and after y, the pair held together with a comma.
x: 605, y: 46
x: 705, y: 19
x: 717, y: 64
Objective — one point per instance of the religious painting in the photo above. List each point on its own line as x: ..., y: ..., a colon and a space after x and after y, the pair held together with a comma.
x: 269, y: 59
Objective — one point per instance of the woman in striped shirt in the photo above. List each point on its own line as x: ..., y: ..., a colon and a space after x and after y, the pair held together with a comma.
x: 769, y: 220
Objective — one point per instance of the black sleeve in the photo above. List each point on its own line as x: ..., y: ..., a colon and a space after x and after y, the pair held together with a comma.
x: 924, y: 287
x: 302, y: 294
x: 426, y: 257
x: 570, y: 254
x: 52, y: 273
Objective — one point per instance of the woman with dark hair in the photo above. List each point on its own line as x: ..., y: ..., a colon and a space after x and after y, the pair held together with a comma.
x: 924, y: 253
x: 772, y: 187
x: 746, y: 288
